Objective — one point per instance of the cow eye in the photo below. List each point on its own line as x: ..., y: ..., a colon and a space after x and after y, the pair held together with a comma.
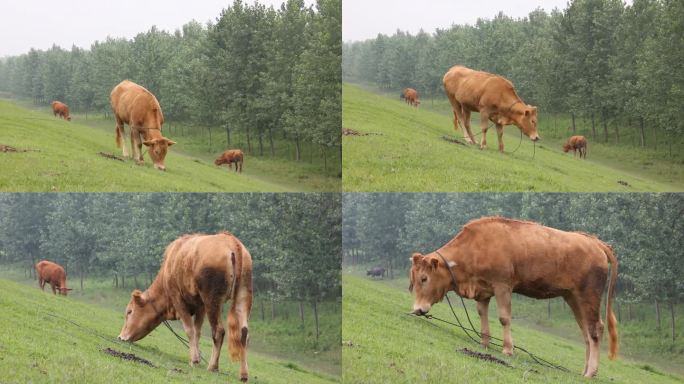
x: 129, y: 312
x: 423, y: 279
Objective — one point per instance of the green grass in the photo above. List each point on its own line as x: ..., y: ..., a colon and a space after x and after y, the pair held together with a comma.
x: 39, y: 343
x: 381, y: 344
x: 64, y: 157
x: 284, y: 337
x: 409, y: 154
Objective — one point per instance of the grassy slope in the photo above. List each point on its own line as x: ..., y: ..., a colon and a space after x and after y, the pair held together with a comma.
x: 391, y: 347
x: 410, y: 155
x: 41, y: 348
x: 67, y: 160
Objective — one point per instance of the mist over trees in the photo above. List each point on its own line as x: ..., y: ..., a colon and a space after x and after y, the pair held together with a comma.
x: 264, y: 73
x: 294, y: 239
x: 612, y: 64
x: 645, y: 230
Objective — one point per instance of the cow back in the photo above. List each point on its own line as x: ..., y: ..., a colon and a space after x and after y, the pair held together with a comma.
x: 136, y: 106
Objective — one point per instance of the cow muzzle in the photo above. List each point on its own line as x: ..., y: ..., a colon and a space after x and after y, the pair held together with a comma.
x: 160, y: 167
x: 535, y: 137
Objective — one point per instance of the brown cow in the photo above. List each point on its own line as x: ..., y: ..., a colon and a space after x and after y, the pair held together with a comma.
x: 576, y: 143
x: 411, y: 97
x: 199, y: 273
x: 61, y: 109
x: 231, y: 156
x: 495, y: 256
x: 137, y: 107
x: 49, y: 272
x: 491, y: 95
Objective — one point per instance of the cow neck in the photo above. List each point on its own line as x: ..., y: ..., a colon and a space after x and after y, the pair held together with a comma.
x: 151, y: 133
x: 512, y: 105
x: 451, y: 273
x: 159, y: 301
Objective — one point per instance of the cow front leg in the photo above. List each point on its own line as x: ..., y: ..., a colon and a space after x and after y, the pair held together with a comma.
x: 503, y: 306
x: 483, y: 311
x: 217, y: 334
x: 499, y: 136
x: 41, y: 283
x: 120, y: 134
x: 186, y: 320
x: 136, y: 144
x: 54, y: 288
x: 484, y: 120
x: 470, y: 139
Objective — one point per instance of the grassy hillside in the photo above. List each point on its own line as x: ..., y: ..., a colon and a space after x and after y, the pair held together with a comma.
x: 383, y: 344
x: 58, y: 339
x: 64, y: 157
x: 406, y: 152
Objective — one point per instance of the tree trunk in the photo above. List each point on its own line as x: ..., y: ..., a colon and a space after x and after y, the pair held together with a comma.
x: 574, y: 129
x: 249, y: 141
x: 298, y: 148
x: 81, y: 273
x: 643, y: 134
x: 655, y: 137
x: 315, y: 309
x: 135, y: 281
x: 261, y: 145
x: 227, y: 135
x: 301, y: 312
x: 617, y: 131
x: 619, y: 312
x: 270, y: 140
x: 672, y: 315
x: 605, y: 127
x: 629, y: 311
x: 123, y: 280
x: 657, y: 308
x: 593, y: 126
x: 273, y: 310
x: 325, y: 159
x: 209, y: 129
x: 263, y: 314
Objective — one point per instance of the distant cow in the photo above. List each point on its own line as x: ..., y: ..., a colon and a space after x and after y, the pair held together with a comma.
x: 375, y: 272
x: 137, y: 107
x: 495, y: 256
x: 411, y: 97
x: 61, y: 109
x: 199, y: 273
x: 231, y: 156
x: 52, y: 273
x: 491, y: 95
x: 576, y: 143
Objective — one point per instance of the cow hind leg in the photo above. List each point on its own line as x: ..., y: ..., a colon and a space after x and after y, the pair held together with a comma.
x: 483, y: 311
x: 579, y: 318
x: 503, y: 306
x: 120, y: 132
x: 195, y: 354
x: 218, y: 332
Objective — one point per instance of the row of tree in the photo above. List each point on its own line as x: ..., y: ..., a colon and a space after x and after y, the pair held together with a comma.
x: 608, y: 61
x: 645, y: 230
x: 262, y: 72
x: 295, y: 239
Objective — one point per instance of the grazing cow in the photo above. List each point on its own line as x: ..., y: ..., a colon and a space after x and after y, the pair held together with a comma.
x: 411, y: 97
x: 199, y: 273
x: 495, y: 256
x: 137, y: 107
x: 231, y: 156
x: 376, y: 271
x: 49, y: 272
x: 576, y: 143
x: 491, y: 95
x: 61, y: 109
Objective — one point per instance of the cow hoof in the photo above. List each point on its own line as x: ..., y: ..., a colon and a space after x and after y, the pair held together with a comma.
x: 194, y: 363
x: 212, y: 368
x: 508, y: 352
x: 244, y: 378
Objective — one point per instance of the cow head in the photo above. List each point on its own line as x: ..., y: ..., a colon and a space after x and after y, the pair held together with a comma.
x: 157, y: 148
x: 68, y: 118
x: 430, y: 279
x: 140, y: 319
x: 526, y: 119
x: 567, y: 147
x: 63, y: 290
x: 220, y: 160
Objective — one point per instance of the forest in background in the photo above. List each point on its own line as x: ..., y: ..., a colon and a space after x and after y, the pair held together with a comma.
x: 267, y: 74
x: 646, y: 231
x: 294, y: 239
x: 613, y: 69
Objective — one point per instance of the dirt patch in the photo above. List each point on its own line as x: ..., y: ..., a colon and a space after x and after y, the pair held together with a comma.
x: 483, y: 356
x: 393, y: 365
x: 626, y: 184
x: 11, y: 149
x: 452, y: 140
x: 110, y: 156
x: 127, y: 356
x: 352, y: 132
x: 349, y: 343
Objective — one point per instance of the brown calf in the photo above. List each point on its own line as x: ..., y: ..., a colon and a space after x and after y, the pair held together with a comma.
x: 576, y: 143
x: 199, y: 273
x: 495, y: 256
x: 49, y: 272
x: 61, y: 109
x: 411, y: 97
x: 231, y: 156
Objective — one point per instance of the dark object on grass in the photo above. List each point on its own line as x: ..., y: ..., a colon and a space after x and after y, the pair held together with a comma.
x: 352, y: 132
x: 626, y: 184
x: 127, y: 356
x: 452, y: 140
x: 483, y: 356
x: 110, y: 156
x: 375, y: 272
x: 8, y: 148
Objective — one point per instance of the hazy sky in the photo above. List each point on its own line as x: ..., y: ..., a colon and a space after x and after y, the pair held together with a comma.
x: 26, y: 24
x: 364, y: 19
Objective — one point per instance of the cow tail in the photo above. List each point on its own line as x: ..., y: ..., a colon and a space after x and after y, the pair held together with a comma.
x: 235, y: 347
x: 610, y: 315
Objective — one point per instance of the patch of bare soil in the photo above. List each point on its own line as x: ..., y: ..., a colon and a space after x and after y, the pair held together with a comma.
x: 353, y: 132
x: 483, y: 356
x: 9, y: 148
x: 110, y: 156
x: 127, y: 356
x: 452, y: 140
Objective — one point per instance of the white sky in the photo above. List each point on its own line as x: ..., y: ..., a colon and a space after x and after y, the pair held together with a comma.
x: 26, y: 24
x: 364, y: 19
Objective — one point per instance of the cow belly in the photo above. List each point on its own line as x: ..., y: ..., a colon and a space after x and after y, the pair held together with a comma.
x: 538, y: 289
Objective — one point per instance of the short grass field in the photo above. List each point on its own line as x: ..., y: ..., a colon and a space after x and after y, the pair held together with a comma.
x: 405, y: 152
x: 48, y: 338
x: 63, y: 156
x: 382, y: 344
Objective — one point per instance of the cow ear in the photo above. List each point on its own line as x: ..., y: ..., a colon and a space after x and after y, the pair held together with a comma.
x: 527, y: 113
x: 137, y: 298
x: 416, y: 258
x: 434, y: 263
x: 170, y: 142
